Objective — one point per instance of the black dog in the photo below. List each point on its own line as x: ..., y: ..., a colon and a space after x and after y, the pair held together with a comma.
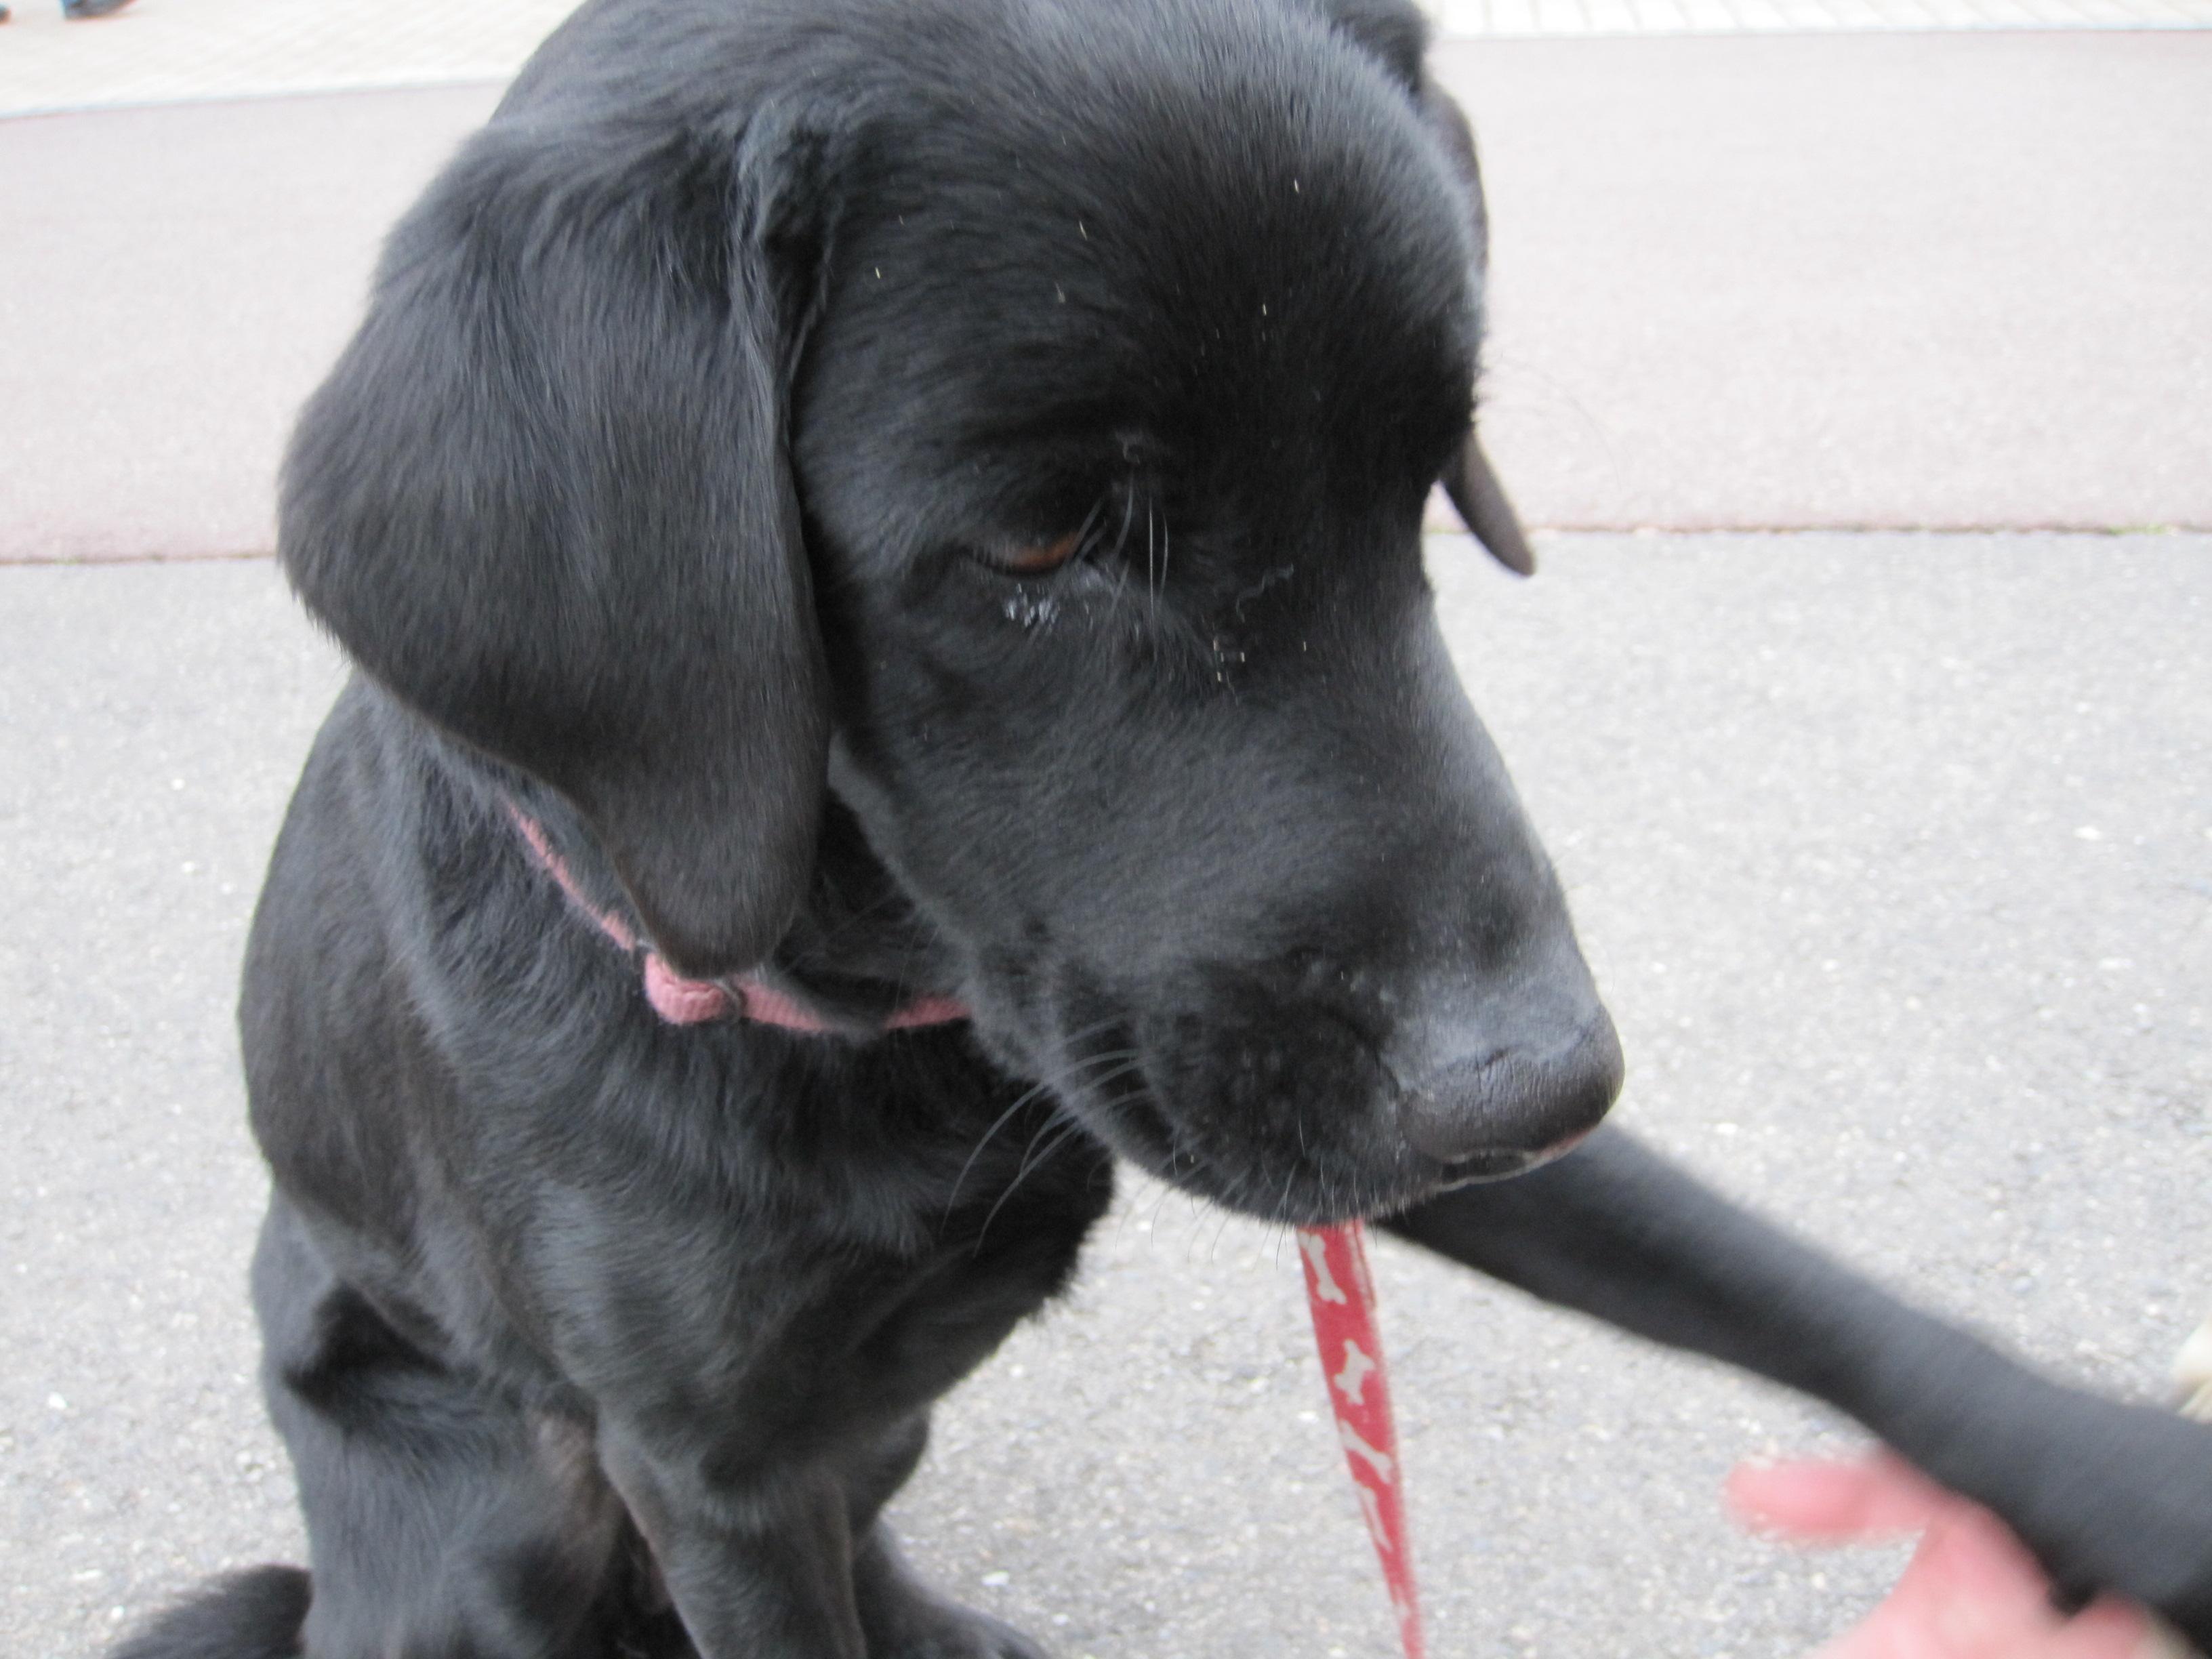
x: 886, y: 502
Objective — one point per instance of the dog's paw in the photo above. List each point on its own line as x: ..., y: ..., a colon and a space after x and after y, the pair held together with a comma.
x: 903, y: 1618
x: 2125, y: 1505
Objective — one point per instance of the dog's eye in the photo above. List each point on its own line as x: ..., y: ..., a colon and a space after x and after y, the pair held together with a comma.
x: 1037, y: 559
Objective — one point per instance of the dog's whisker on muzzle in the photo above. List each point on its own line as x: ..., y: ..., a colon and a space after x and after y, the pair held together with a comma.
x: 1055, y: 1084
x: 1063, y: 1129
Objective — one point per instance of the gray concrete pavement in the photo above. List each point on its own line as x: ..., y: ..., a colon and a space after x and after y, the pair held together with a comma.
x: 1903, y: 281
x: 1580, y: 19
x: 1893, y: 855
x: 170, y: 50
x: 166, y: 51
x: 173, y: 281
x: 1912, y: 281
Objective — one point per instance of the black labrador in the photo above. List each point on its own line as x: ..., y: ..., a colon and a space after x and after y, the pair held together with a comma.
x: 844, y: 509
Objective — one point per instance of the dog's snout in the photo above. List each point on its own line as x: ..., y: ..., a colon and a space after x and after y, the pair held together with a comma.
x: 1510, y: 1106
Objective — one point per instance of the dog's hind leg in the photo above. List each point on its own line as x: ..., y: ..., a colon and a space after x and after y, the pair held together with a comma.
x: 902, y: 1617
x: 442, y: 1519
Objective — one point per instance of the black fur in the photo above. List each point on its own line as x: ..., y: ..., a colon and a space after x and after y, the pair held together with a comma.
x: 676, y: 492
x: 256, y: 1615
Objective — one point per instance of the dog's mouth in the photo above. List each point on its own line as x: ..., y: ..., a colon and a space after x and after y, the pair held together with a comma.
x: 1494, y: 1166
x: 1505, y: 1164
x: 1304, y: 1138
x: 1297, y: 1189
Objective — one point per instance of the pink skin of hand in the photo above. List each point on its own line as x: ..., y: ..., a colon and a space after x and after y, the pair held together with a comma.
x: 1971, y: 1591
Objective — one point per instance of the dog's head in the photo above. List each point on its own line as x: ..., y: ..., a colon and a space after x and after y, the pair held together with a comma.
x: 1012, y: 421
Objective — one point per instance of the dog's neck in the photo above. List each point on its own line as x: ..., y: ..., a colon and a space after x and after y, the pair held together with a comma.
x: 845, y: 968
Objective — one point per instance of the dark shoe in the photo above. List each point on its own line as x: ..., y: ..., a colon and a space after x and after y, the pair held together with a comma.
x: 75, y: 10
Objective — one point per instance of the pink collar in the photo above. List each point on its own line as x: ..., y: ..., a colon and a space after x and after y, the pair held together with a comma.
x: 682, y: 1001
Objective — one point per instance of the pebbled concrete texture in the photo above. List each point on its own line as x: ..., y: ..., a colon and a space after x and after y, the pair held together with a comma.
x: 1577, y: 18
x: 165, y: 50
x: 1893, y: 855
x: 171, y: 51
x: 1902, y: 280
x: 174, y: 282
x: 1924, y: 281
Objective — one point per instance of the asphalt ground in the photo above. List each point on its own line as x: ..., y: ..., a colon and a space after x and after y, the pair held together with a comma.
x: 1892, y: 852
x: 1907, y: 281
x: 1893, y: 857
x: 167, y: 51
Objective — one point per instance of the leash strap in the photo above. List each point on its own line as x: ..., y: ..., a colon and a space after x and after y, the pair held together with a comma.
x: 1341, y: 1293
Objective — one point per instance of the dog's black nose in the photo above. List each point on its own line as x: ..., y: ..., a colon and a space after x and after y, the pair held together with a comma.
x: 1508, y: 1107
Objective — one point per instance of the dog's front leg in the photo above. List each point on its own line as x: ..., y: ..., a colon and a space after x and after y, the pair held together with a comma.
x: 2111, y: 1496
x: 758, y: 1568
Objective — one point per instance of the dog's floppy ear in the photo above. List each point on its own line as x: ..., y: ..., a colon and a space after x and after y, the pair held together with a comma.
x: 1469, y: 479
x: 545, y: 499
x: 1471, y: 484
x: 1394, y: 33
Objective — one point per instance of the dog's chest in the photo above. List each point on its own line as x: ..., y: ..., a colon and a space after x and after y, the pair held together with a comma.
x: 844, y: 1261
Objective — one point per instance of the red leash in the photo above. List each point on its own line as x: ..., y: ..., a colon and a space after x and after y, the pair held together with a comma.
x: 1341, y: 1293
